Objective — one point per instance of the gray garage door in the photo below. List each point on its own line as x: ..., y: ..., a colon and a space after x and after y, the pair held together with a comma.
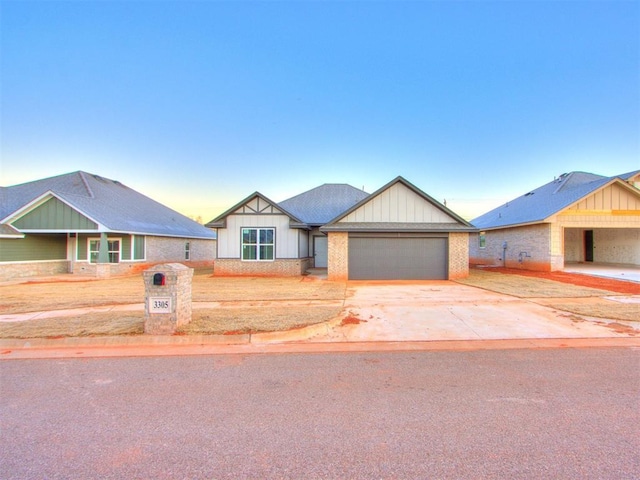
x: 376, y: 258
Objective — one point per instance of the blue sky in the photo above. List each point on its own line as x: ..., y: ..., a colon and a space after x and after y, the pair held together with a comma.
x: 199, y: 104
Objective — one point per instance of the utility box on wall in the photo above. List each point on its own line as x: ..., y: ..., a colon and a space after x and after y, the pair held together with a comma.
x: 167, y: 298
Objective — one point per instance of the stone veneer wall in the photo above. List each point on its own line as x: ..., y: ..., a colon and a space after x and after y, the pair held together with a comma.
x: 458, y: 255
x: 278, y: 268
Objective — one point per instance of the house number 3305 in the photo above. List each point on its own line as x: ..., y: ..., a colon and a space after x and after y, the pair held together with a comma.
x: 159, y: 305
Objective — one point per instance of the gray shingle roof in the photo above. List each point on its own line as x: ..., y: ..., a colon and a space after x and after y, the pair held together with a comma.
x: 110, y: 203
x: 545, y: 201
x: 324, y: 203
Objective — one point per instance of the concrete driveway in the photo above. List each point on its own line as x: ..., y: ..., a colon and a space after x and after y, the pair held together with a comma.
x: 422, y: 311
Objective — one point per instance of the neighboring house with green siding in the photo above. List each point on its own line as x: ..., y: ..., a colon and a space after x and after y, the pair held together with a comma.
x: 85, y: 224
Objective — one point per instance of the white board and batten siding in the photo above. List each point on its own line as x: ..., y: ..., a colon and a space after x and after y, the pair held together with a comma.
x: 258, y: 214
x: 398, y: 204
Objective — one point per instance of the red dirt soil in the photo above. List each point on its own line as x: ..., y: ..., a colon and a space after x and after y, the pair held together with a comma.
x: 613, y: 285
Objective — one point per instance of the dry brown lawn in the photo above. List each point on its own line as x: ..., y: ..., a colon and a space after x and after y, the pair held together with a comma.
x: 36, y: 297
x: 90, y: 325
x: 570, y: 298
x: 60, y: 295
x: 528, y: 287
x: 233, y: 317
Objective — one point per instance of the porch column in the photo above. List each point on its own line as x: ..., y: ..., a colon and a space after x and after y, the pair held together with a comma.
x: 103, y: 253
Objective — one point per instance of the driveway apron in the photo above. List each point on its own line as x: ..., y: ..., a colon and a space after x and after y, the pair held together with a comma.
x: 450, y: 311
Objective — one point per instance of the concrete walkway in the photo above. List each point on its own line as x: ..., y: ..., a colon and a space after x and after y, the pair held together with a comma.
x: 619, y: 272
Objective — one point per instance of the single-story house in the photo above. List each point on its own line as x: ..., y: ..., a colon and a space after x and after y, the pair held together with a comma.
x: 397, y: 232
x: 578, y: 217
x: 85, y: 224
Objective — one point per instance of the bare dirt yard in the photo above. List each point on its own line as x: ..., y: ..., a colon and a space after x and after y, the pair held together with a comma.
x: 248, y: 304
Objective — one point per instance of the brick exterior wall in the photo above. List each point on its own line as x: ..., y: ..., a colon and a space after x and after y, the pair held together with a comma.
x: 458, y: 255
x: 546, y: 247
x: 11, y: 271
x: 167, y: 249
x: 616, y: 237
x: 528, y: 248
x: 278, y: 268
x: 338, y: 253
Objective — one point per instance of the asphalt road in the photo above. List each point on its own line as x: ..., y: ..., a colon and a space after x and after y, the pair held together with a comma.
x: 557, y: 413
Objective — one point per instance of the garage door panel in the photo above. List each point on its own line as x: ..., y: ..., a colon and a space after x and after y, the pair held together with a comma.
x: 375, y: 258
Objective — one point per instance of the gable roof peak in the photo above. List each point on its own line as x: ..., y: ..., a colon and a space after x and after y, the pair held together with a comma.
x: 400, y: 179
x: 220, y: 220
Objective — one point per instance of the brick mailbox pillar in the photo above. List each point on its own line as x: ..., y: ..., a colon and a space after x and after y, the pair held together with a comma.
x: 167, y: 298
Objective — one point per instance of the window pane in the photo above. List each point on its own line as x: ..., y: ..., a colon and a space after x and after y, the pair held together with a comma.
x: 138, y: 247
x: 249, y: 235
x: 249, y: 252
x: 266, y: 252
x: 266, y: 236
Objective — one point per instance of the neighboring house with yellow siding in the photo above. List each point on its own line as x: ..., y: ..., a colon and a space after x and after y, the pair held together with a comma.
x: 578, y: 217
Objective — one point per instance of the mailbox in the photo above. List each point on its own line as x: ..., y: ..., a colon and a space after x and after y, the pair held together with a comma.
x: 167, y: 298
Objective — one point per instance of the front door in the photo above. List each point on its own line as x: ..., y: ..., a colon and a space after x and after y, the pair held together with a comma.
x: 320, y: 252
x: 588, y: 245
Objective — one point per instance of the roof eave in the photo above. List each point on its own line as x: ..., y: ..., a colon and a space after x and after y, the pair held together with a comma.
x: 390, y: 229
x: 514, y: 225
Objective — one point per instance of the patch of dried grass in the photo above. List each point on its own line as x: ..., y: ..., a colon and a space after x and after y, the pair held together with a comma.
x: 620, y: 311
x: 36, y: 297
x: 203, y: 322
x: 527, y: 287
x: 255, y: 319
x: 94, y: 324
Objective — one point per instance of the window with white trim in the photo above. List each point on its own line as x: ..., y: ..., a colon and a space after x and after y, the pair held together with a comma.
x: 113, y: 247
x: 258, y: 244
x: 187, y: 251
x: 482, y: 240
